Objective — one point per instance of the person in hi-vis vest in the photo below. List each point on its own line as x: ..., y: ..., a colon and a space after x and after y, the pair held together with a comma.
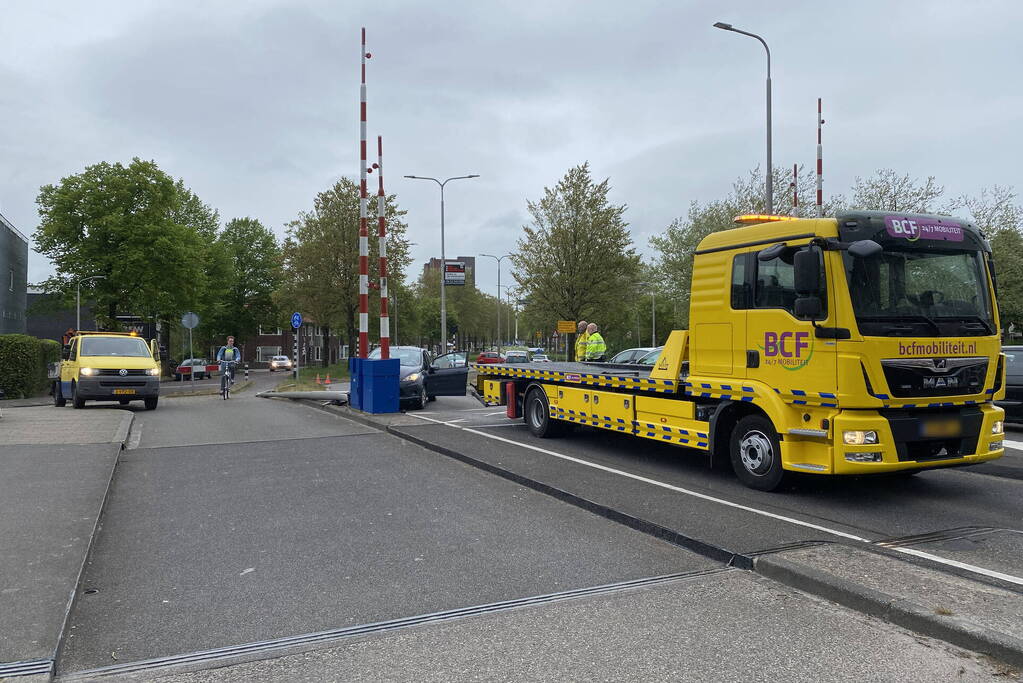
x: 595, y: 346
x: 580, y: 341
x: 229, y: 353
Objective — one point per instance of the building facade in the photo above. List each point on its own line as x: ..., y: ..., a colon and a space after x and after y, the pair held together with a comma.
x: 13, y: 278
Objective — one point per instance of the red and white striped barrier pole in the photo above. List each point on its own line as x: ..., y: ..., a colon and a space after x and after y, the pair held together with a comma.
x: 820, y: 164
x: 385, y: 326
x: 363, y: 229
x: 795, y: 189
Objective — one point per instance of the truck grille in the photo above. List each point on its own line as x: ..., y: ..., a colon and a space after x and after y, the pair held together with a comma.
x: 106, y: 372
x: 909, y: 377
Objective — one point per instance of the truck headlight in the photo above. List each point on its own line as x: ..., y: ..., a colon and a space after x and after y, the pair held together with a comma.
x: 88, y: 372
x: 997, y: 427
x: 859, y: 437
x: 153, y: 372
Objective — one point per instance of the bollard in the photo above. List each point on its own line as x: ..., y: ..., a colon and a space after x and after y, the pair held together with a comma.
x: 246, y: 371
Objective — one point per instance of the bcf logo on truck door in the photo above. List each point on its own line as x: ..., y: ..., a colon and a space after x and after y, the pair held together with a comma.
x: 790, y: 350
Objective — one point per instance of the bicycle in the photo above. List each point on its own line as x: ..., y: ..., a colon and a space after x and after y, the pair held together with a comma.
x: 227, y: 378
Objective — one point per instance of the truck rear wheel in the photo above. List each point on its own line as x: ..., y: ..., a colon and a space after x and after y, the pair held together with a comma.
x: 756, y: 454
x: 537, y: 415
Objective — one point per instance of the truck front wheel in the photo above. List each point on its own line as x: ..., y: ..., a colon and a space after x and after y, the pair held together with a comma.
x: 537, y: 415
x: 756, y: 454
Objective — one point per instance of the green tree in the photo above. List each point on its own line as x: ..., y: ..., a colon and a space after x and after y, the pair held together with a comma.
x: 321, y: 259
x: 886, y: 190
x: 253, y: 275
x: 576, y: 260
x: 673, y: 249
x: 127, y: 224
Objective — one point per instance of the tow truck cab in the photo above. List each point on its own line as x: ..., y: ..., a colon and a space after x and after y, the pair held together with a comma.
x: 108, y: 366
x: 871, y: 339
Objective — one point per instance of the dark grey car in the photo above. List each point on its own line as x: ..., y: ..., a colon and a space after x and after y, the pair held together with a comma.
x: 424, y: 378
x: 1013, y: 401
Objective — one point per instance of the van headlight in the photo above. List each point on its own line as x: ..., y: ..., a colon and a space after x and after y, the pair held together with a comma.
x: 859, y: 437
x: 89, y: 372
x: 153, y: 372
x: 997, y: 427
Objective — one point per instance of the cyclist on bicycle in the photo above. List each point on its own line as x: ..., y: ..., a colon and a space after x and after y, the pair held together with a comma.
x: 228, y: 356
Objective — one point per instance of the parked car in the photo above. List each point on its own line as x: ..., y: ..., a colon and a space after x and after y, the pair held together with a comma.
x: 191, y: 366
x: 280, y: 363
x: 489, y: 357
x: 424, y: 378
x: 541, y: 358
x: 516, y: 357
x: 650, y: 358
x: 1013, y: 401
x: 631, y: 355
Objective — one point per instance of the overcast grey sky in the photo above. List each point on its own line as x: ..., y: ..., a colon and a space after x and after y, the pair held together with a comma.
x: 255, y: 104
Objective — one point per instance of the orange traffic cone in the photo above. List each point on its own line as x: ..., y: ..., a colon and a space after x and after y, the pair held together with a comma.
x: 328, y: 380
x: 317, y: 378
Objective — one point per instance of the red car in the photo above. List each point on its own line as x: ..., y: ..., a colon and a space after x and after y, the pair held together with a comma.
x: 489, y: 358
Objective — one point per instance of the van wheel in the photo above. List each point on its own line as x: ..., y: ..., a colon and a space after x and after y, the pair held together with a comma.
x: 151, y: 402
x: 76, y: 400
x: 537, y: 415
x: 756, y: 454
x: 58, y: 396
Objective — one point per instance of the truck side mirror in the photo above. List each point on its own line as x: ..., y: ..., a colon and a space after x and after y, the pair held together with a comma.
x: 865, y: 248
x: 808, y: 307
x: 807, y: 273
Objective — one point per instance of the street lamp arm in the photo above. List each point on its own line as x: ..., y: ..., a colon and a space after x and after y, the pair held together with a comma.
x: 728, y: 27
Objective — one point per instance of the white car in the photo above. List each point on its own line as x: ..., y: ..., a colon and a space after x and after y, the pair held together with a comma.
x: 541, y: 358
x: 280, y: 363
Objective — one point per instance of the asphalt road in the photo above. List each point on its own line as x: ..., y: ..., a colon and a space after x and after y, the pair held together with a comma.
x: 251, y: 519
x: 674, y: 487
x: 254, y: 521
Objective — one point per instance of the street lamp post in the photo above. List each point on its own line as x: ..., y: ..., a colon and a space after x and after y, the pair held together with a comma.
x: 498, y: 259
x: 653, y: 314
x: 78, y: 298
x: 770, y: 169
x: 443, y: 297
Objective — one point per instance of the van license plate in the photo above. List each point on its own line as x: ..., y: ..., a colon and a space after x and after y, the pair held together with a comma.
x: 123, y: 391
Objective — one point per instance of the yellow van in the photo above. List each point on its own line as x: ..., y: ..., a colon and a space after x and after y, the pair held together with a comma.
x: 108, y: 366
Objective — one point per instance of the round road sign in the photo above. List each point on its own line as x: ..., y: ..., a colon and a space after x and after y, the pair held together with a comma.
x: 190, y: 320
x: 296, y: 320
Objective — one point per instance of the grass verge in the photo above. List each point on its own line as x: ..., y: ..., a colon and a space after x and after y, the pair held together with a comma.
x: 307, y: 378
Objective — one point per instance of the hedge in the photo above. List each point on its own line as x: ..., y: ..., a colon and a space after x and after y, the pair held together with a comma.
x: 23, y: 361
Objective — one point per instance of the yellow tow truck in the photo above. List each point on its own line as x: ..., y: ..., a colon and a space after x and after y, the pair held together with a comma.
x: 107, y: 366
x: 864, y: 343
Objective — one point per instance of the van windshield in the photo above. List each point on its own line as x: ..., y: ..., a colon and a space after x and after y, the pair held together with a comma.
x: 114, y: 346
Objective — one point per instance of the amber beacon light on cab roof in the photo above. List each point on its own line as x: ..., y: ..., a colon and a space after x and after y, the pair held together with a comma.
x: 864, y: 343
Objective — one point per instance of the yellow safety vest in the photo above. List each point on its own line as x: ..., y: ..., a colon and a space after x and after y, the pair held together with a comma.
x: 580, y: 346
x: 595, y: 346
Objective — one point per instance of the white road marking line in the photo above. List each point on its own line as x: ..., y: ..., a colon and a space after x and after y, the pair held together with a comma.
x: 1018, y: 445
x: 471, y: 410
x: 499, y: 412
x: 962, y: 565
x: 503, y: 424
x: 764, y: 513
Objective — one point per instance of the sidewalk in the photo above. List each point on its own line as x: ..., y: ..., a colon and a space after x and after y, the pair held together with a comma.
x: 56, y: 465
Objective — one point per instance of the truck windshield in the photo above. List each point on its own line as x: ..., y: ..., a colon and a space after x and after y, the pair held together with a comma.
x: 114, y: 346
x: 920, y: 292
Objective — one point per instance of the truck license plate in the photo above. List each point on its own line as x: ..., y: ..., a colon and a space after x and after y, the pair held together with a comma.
x: 123, y: 391
x: 941, y: 428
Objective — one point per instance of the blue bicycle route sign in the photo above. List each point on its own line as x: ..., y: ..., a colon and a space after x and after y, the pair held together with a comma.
x: 296, y: 320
